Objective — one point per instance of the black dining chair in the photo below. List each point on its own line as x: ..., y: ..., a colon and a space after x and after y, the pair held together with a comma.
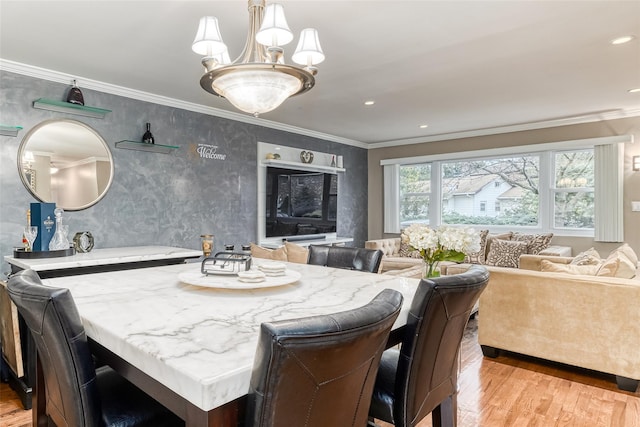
x: 345, y: 257
x: 422, y: 376
x: 319, y: 371
x: 76, y: 393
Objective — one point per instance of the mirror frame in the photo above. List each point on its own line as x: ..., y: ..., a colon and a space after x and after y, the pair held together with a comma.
x: 28, y: 181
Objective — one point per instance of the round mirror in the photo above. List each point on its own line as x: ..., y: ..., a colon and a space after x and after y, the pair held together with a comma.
x: 65, y: 162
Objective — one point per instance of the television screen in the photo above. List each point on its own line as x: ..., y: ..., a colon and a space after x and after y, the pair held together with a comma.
x: 300, y: 203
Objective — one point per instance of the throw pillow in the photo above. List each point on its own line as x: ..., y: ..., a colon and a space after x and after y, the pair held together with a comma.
x: 480, y: 256
x: 588, y: 257
x: 609, y: 267
x: 535, y: 242
x: 279, y: 254
x: 406, y: 250
x: 506, y: 253
x: 626, y: 250
x: 590, y: 270
x: 296, y: 253
x: 619, y: 265
x: 491, y: 238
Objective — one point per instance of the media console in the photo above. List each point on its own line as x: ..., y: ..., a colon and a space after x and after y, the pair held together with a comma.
x: 331, y: 240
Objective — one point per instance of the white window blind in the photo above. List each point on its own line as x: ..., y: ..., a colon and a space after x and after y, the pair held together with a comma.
x: 391, y: 198
x: 608, y: 192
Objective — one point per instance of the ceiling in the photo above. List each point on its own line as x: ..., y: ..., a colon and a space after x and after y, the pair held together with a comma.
x: 461, y: 67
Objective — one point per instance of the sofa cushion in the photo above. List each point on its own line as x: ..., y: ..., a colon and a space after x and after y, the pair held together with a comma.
x: 414, y: 272
x: 588, y: 257
x: 279, y: 254
x: 506, y: 253
x: 535, y: 242
x: 296, y: 253
x: 399, y: 263
x: 586, y: 269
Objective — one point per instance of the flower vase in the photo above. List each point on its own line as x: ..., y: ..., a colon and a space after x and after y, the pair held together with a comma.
x: 430, y: 269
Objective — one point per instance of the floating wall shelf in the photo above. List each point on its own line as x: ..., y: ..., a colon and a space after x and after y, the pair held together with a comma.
x: 10, y: 130
x: 67, y: 107
x: 304, y: 166
x: 143, y: 146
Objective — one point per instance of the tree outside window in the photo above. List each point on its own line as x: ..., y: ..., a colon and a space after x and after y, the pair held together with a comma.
x: 415, y: 193
x: 473, y: 189
x: 574, y: 189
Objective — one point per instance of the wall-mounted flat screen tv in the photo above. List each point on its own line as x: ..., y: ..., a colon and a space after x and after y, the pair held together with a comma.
x: 300, y: 203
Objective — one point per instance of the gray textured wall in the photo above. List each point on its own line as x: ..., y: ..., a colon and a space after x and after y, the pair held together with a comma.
x: 158, y: 199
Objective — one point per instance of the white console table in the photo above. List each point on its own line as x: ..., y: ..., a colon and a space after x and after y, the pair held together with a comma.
x: 107, y: 259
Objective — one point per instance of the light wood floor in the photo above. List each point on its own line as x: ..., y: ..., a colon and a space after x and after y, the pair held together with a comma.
x: 510, y: 391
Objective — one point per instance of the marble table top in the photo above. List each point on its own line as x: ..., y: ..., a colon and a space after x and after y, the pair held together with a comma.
x: 199, y: 341
x: 106, y: 256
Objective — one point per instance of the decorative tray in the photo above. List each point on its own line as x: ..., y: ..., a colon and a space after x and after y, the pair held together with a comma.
x: 225, y: 263
x: 233, y: 282
x: 21, y: 253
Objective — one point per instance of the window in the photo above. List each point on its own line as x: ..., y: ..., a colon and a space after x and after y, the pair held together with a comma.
x: 415, y: 193
x: 469, y: 187
x: 569, y: 188
x: 573, y: 205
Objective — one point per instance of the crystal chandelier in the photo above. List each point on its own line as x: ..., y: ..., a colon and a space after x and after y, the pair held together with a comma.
x: 258, y: 81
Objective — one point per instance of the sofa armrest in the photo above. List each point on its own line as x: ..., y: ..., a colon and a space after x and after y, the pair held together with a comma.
x: 389, y: 247
x: 534, y: 262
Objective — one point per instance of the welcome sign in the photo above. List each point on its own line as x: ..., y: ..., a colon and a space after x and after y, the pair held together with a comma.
x: 207, y: 151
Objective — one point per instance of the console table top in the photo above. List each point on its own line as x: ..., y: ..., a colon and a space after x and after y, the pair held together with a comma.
x: 105, y: 256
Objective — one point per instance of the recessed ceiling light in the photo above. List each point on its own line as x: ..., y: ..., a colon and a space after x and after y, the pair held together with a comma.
x: 424, y: 126
x: 369, y: 102
x: 636, y: 90
x: 622, y: 40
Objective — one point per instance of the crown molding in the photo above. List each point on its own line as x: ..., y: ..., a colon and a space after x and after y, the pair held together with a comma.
x: 55, y: 76
x: 58, y: 77
x: 599, y: 116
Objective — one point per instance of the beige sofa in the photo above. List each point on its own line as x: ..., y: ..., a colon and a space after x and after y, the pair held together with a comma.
x: 587, y: 321
x: 392, y: 260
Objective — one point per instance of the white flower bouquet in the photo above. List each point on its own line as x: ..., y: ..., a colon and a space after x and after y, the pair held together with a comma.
x: 446, y: 243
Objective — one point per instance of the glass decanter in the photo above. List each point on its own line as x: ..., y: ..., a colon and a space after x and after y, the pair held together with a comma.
x: 59, y: 241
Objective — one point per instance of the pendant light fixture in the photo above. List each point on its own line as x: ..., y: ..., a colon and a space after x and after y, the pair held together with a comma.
x: 258, y: 81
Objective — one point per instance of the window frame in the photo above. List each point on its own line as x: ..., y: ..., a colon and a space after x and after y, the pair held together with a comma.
x: 546, y: 152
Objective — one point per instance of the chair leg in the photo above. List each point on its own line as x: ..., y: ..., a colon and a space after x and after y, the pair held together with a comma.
x: 446, y: 414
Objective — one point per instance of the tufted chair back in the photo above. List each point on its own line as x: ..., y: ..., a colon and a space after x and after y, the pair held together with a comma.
x: 389, y: 247
x: 421, y: 377
x: 345, y: 257
x: 319, y: 371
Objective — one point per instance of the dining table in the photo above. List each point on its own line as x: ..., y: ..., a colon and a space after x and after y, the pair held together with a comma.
x: 189, y: 339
